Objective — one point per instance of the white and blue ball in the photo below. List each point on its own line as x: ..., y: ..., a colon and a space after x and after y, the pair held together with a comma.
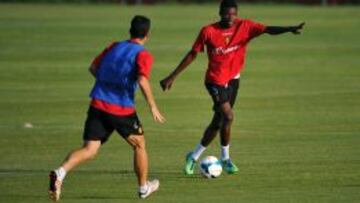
x: 210, y: 167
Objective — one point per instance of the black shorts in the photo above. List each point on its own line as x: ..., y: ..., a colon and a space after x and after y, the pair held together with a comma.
x: 99, y: 125
x: 223, y: 94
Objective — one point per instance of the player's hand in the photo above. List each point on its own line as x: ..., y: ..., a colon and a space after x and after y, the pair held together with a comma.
x: 157, y: 115
x: 166, y: 83
x: 296, y: 29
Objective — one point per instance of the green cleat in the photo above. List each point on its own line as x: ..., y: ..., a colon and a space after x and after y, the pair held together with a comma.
x: 229, y: 166
x: 189, y: 165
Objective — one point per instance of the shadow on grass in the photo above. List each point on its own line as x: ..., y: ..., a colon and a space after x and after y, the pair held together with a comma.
x: 95, y: 197
x: 41, y: 171
x: 168, y: 173
x: 66, y: 197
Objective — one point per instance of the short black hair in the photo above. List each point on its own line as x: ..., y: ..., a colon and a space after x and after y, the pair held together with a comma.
x: 140, y: 26
x: 228, y: 4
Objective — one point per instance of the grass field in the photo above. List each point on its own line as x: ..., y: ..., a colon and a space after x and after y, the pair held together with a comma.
x: 296, y: 133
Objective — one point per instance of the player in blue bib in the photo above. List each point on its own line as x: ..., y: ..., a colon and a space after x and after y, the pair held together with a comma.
x: 118, y: 71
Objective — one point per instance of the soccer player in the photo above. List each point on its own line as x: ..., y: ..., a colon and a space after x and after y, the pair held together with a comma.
x: 118, y: 70
x: 225, y: 42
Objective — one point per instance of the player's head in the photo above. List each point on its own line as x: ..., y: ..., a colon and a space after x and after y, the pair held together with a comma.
x: 228, y: 12
x: 140, y: 27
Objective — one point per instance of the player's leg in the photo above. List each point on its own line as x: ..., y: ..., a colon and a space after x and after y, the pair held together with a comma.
x: 88, y: 151
x: 141, y: 166
x: 225, y: 135
x: 208, y: 136
x: 218, y: 95
x: 225, y: 132
x: 129, y: 127
x: 140, y: 157
x: 227, y: 112
x: 212, y: 130
x: 76, y: 157
x: 96, y: 132
x: 225, y: 129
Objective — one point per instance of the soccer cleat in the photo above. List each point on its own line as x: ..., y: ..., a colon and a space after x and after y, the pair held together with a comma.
x: 229, y: 166
x: 152, y: 187
x: 54, y: 186
x: 189, y: 165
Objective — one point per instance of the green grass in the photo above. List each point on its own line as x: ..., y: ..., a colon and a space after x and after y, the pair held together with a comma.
x: 296, y: 133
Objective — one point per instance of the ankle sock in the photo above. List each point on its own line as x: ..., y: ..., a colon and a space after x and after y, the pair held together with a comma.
x: 60, y: 173
x: 198, y: 151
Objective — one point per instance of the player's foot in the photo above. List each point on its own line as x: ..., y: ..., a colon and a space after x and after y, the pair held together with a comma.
x: 54, y: 186
x: 152, y: 187
x: 189, y: 165
x: 229, y: 166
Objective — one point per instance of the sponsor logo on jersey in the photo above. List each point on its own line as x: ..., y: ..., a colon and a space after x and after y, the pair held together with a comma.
x: 223, y: 51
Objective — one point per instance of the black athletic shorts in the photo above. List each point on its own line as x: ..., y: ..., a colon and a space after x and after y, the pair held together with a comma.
x: 99, y: 125
x: 223, y: 94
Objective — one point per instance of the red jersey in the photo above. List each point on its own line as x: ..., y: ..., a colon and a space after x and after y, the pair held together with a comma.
x: 144, y: 62
x: 226, y: 48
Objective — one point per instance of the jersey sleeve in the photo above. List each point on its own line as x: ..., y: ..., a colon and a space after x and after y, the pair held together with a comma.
x: 144, y: 61
x: 255, y: 29
x: 97, y: 60
x: 199, y: 43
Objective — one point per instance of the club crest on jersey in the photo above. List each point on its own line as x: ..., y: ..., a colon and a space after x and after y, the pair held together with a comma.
x: 227, y: 40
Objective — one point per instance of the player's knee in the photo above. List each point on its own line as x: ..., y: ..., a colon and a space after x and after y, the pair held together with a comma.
x: 228, y: 117
x: 137, y: 142
x: 140, y: 145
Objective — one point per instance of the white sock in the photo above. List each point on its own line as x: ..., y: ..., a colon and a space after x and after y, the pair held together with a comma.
x: 143, y: 188
x: 60, y: 173
x: 225, y: 152
x: 198, y: 151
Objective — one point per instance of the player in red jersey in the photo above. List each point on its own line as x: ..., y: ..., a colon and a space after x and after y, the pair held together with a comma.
x: 225, y: 43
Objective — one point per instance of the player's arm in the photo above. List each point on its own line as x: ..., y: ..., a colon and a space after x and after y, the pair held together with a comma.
x: 146, y: 90
x: 197, y: 47
x: 276, y: 30
x: 185, y: 62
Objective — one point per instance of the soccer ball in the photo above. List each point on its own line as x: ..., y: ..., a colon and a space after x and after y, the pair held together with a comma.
x: 210, y: 167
